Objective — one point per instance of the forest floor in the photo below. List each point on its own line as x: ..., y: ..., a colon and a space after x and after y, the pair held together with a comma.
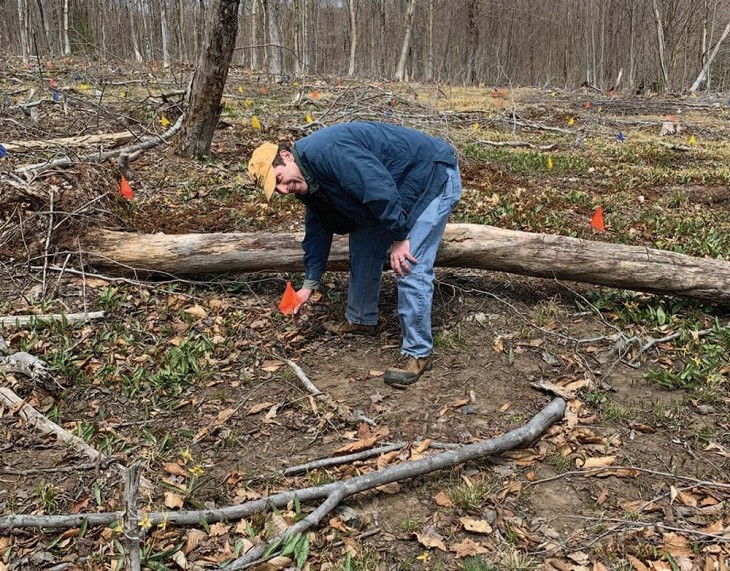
x: 189, y: 376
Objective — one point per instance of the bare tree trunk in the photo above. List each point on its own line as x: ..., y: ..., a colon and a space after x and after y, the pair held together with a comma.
x: 473, y: 39
x: 274, y: 29
x: 306, y: 44
x: 632, y: 46
x: 254, y: 34
x: 594, y: 66
x: 660, y: 43
x: 46, y: 26
x: 146, y: 9
x: 708, y: 63
x: 382, y: 20
x: 66, y: 39
x: 352, y: 6
x: 704, y: 52
x: 428, y: 75
x: 133, y: 32
x: 400, y: 71
x: 301, y: 35
x: 104, y: 43
x: 181, y: 50
x: 200, y: 32
x: 709, y: 42
x: 164, y: 33
x: 463, y: 245
x: 206, y: 90
x: 23, y: 25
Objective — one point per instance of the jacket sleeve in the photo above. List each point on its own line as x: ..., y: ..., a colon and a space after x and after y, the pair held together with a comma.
x: 365, y: 178
x: 317, y: 243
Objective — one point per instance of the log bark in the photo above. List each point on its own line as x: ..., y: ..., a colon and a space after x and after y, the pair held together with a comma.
x: 463, y: 246
x: 109, y: 139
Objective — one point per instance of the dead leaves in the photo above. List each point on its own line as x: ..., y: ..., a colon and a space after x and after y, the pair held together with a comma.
x: 174, y: 501
x: 255, y: 409
x: 197, y: 311
x: 443, y: 500
x: 175, y: 469
x: 431, y: 539
x: 366, y: 438
x: 476, y: 525
x: 468, y: 548
x: 599, y: 462
x: 356, y: 446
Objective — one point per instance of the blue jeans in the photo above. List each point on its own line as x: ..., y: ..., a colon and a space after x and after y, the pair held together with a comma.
x: 368, y: 253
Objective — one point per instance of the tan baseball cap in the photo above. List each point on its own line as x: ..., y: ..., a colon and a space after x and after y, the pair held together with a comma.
x: 261, y: 170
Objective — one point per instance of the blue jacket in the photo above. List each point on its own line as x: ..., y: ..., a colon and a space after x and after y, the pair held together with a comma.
x: 366, y: 174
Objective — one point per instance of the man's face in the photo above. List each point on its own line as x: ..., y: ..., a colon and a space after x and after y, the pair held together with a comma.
x: 289, y: 179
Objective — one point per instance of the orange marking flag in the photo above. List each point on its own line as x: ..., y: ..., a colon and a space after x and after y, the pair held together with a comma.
x: 289, y: 301
x: 597, y: 220
x: 125, y: 189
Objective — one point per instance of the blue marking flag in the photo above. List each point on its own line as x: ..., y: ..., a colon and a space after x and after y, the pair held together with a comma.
x: 56, y: 96
x: 620, y: 137
x: 3, y: 152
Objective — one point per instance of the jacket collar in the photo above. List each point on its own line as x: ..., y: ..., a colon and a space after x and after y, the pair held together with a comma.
x: 312, y: 184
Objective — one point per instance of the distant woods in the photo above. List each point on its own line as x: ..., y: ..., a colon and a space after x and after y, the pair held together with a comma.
x: 637, y: 45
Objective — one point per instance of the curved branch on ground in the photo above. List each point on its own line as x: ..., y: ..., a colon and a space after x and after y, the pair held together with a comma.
x: 517, y: 438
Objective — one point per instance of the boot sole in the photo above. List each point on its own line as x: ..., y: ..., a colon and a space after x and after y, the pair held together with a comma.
x: 404, y: 383
x: 359, y: 333
x: 354, y: 332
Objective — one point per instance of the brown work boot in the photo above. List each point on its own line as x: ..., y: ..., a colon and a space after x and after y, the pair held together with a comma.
x: 345, y: 328
x: 408, y: 373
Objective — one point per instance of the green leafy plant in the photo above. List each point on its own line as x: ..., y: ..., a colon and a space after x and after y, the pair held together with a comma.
x: 468, y: 497
x: 47, y: 494
x: 702, y: 362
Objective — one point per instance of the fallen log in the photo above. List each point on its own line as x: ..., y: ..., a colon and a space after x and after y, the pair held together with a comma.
x: 463, y: 246
x: 109, y: 139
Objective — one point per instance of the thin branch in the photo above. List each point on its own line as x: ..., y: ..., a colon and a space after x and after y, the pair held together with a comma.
x: 342, y: 411
x: 33, y: 319
x: 47, y: 245
x: 362, y: 455
x: 309, y: 385
x: 592, y: 471
x: 517, y: 144
x: 132, y: 554
x: 647, y: 524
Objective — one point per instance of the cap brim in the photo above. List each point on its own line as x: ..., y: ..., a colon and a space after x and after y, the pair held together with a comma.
x: 269, y: 183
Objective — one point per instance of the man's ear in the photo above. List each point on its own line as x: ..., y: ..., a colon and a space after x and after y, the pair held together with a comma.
x: 286, y: 155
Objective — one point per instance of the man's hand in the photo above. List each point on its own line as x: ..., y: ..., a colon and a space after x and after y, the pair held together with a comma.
x: 400, y: 256
x: 303, y: 295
